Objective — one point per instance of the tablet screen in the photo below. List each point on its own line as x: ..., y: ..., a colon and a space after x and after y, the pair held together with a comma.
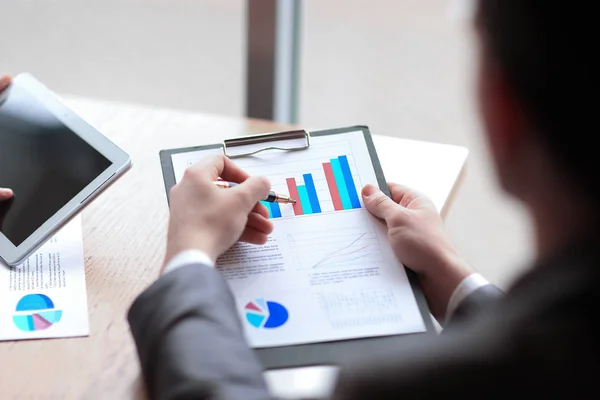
x: 42, y: 161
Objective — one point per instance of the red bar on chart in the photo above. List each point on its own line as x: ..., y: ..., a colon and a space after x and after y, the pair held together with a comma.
x: 333, y: 189
x: 293, y: 189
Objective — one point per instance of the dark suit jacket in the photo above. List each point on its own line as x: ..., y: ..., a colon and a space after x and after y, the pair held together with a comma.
x: 542, y: 338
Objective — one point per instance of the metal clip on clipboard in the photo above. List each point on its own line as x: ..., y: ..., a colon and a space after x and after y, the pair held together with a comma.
x: 250, y: 145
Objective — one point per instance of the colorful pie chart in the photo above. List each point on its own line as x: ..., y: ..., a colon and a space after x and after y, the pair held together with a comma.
x: 36, y: 312
x: 265, y: 314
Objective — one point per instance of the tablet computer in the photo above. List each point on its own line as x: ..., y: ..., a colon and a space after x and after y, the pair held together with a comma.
x: 54, y: 162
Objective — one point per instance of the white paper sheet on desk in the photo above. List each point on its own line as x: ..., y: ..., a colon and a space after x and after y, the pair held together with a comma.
x: 46, y: 297
x: 325, y: 275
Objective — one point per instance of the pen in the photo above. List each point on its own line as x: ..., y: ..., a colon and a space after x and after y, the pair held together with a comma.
x: 272, y: 198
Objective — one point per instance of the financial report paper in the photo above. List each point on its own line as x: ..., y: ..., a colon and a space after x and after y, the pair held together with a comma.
x: 46, y: 296
x: 327, y: 271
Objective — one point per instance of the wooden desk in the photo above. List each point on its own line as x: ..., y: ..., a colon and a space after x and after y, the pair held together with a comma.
x: 124, y: 240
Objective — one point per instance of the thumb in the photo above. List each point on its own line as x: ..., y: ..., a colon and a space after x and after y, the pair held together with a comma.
x: 378, y: 203
x: 5, y: 194
x: 4, y: 82
x: 253, y: 189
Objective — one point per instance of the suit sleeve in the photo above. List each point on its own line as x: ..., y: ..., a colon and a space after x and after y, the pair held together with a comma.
x: 475, y: 304
x: 444, y: 366
x: 190, y: 340
x: 435, y: 366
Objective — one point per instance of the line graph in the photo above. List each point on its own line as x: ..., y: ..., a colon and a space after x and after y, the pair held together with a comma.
x: 335, y: 249
x: 344, y: 251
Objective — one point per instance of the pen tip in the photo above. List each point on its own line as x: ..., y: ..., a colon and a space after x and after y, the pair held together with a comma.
x: 293, y: 201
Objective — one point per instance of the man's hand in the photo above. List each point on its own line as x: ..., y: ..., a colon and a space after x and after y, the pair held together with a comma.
x: 211, y: 219
x: 416, y: 232
x: 5, y: 81
x: 5, y: 194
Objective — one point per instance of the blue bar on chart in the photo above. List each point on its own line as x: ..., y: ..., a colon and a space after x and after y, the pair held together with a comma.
x: 349, y: 182
x: 312, y: 193
x: 274, y: 209
x: 304, y: 199
x: 341, y: 183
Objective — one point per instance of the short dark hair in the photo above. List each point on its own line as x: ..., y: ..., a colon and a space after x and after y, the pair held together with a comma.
x: 546, y: 48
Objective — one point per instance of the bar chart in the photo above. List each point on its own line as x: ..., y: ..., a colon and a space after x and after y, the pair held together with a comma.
x: 328, y: 186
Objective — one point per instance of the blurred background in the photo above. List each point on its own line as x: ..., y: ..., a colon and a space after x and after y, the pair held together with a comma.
x: 403, y: 67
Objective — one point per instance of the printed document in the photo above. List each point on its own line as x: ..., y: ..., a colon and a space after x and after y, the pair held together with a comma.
x: 45, y: 297
x: 328, y: 271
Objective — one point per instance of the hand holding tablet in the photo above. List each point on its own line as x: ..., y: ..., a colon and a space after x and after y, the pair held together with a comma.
x: 53, y: 162
x: 5, y: 193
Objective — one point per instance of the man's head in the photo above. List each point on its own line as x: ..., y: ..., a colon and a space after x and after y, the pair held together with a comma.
x: 536, y: 95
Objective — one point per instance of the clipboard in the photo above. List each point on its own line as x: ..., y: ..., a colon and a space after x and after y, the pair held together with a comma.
x: 321, y: 353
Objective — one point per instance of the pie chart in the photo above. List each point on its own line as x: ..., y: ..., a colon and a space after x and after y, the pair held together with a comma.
x: 266, y: 314
x: 36, y: 312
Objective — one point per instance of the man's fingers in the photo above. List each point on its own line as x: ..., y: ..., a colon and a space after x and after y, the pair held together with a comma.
x: 209, y: 167
x: 4, y: 82
x: 251, y: 235
x: 378, y: 203
x: 231, y: 172
x: 260, y: 223
x: 6, y: 194
x: 404, y: 196
x: 401, y: 194
x: 252, y: 190
x: 260, y: 209
x: 219, y: 166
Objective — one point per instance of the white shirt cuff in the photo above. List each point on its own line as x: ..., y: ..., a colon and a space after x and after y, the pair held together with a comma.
x: 188, y: 257
x: 468, y: 285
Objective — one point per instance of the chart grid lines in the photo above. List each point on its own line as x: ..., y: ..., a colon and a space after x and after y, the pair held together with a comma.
x: 326, y: 249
